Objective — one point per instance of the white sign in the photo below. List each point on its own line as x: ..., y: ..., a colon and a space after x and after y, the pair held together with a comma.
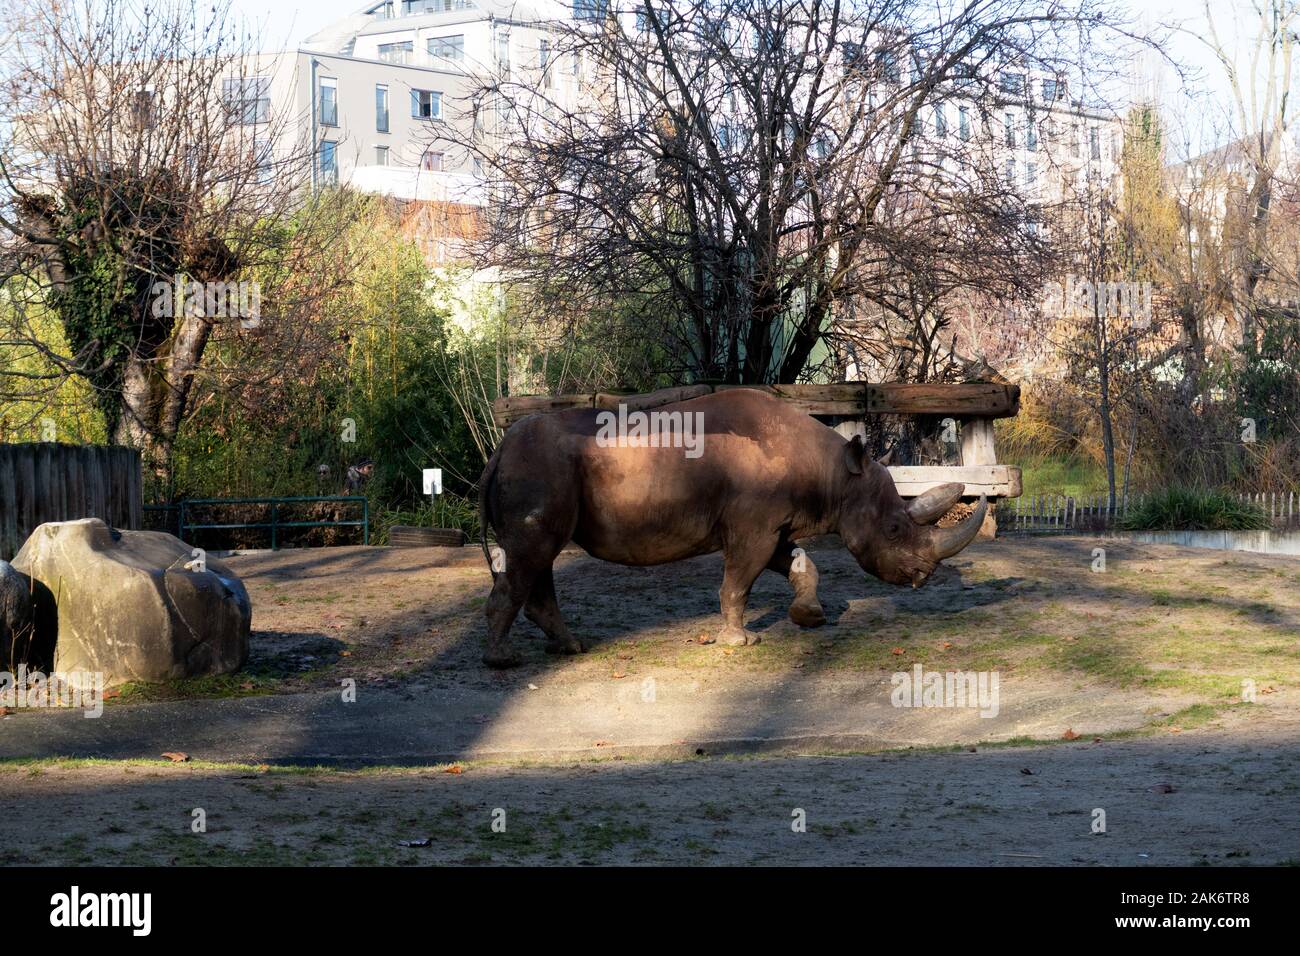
x: 433, y: 481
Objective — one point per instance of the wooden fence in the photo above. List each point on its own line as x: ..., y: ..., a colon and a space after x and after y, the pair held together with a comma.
x: 1045, y: 514
x: 44, y: 481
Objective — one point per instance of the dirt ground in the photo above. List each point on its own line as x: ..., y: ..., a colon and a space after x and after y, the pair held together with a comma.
x: 1186, y: 623
x: 1224, y: 796
x: 1174, y: 635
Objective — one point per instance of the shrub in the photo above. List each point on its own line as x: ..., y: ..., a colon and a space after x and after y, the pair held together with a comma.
x: 1192, y: 509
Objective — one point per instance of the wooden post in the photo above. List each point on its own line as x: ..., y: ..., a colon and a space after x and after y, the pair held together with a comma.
x: 977, y: 449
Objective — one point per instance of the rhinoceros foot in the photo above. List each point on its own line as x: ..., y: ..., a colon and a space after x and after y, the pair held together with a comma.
x: 502, y: 659
x: 564, y: 645
x: 736, y: 636
x: 807, y: 615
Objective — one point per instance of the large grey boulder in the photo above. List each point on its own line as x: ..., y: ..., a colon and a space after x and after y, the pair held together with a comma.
x: 129, y: 608
x: 19, y: 639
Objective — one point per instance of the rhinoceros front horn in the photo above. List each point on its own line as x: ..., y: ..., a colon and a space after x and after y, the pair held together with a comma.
x: 948, y: 541
x: 929, y: 507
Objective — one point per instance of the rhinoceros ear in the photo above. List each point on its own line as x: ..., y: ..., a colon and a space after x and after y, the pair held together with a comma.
x: 854, y: 451
x: 886, y: 459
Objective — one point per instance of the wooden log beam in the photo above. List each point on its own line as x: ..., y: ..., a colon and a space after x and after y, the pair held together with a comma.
x: 996, y: 481
x: 845, y: 399
x: 966, y: 400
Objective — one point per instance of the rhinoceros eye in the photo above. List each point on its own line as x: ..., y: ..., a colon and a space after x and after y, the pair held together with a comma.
x: 893, y: 528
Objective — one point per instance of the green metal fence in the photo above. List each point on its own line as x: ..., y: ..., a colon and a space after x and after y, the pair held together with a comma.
x: 185, y: 507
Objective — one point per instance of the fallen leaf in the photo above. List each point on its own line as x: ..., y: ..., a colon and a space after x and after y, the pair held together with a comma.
x: 455, y: 768
x: 1026, y: 771
x: 897, y: 650
x: 1175, y: 730
x: 603, y: 743
x: 947, y: 644
x: 728, y: 650
x: 345, y: 653
x: 618, y: 675
x: 1069, y: 734
x: 176, y: 756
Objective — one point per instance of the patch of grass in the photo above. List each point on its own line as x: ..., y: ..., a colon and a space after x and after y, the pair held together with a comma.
x: 1193, y: 509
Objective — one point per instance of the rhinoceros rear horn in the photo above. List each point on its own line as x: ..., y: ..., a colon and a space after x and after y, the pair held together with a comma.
x: 948, y: 541
x: 929, y: 507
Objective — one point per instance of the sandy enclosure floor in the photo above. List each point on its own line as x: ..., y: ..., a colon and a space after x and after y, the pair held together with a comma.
x: 1183, y: 624
x: 1226, y: 796
x: 1173, y: 635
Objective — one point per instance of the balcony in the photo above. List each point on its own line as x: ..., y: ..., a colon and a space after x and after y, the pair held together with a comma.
x: 412, y: 184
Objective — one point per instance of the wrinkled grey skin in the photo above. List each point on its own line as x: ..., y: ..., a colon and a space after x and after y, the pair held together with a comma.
x: 767, y: 475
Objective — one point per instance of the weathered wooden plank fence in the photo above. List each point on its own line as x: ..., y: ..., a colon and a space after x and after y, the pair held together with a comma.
x: 1046, y: 514
x: 45, y: 481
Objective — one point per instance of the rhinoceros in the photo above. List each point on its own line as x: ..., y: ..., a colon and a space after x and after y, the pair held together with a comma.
x: 738, y: 471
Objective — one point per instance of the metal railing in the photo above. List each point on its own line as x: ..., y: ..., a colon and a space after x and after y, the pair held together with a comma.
x: 186, y: 505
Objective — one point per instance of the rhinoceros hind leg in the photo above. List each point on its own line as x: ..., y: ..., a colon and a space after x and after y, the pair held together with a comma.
x: 544, y: 610
x: 509, y: 591
x: 794, y: 564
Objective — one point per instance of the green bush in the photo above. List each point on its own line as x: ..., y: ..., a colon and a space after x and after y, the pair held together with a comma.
x: 446, y: 511
x: 1193, y: 509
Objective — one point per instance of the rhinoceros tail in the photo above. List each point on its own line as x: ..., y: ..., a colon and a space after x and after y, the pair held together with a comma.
x: 484, y: 511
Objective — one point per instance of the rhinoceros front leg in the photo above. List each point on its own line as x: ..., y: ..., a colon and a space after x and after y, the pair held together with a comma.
x: 794, y: 564
x: 743, y: 565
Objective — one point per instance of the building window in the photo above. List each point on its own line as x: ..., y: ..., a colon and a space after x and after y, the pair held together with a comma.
x: 397, y: 52
x: 384, y: 11
x: 327, y: 163
x: 940, y: 121
x: 889, y: 66
x: 329, y: 102
x: 449, y: 48
x: 1031, y: 175
x: 1010, y: 127
x: 381, y: 155
x: 426, y: 104
x: 590, y: 9
x: 248, y: 98
x: 381, y: 108
x: 262, y: 158
x: 1012, y: 82
x: 431, y: 162
x: 142, y: 110
x: 411, y: 8
x: 1031, y: 133
x: 503, y: 51
x: 642, y: 22
x: 1094, y: 143
x: 963, y: 122
x: 1011, y: 172
x: 1051, y: 91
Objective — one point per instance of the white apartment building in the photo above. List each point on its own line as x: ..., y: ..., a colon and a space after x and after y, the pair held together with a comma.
x: 377, y: 91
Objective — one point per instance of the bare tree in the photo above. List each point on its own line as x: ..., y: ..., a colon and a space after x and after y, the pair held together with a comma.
x: 746, y: 169
x: 141, y: 162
